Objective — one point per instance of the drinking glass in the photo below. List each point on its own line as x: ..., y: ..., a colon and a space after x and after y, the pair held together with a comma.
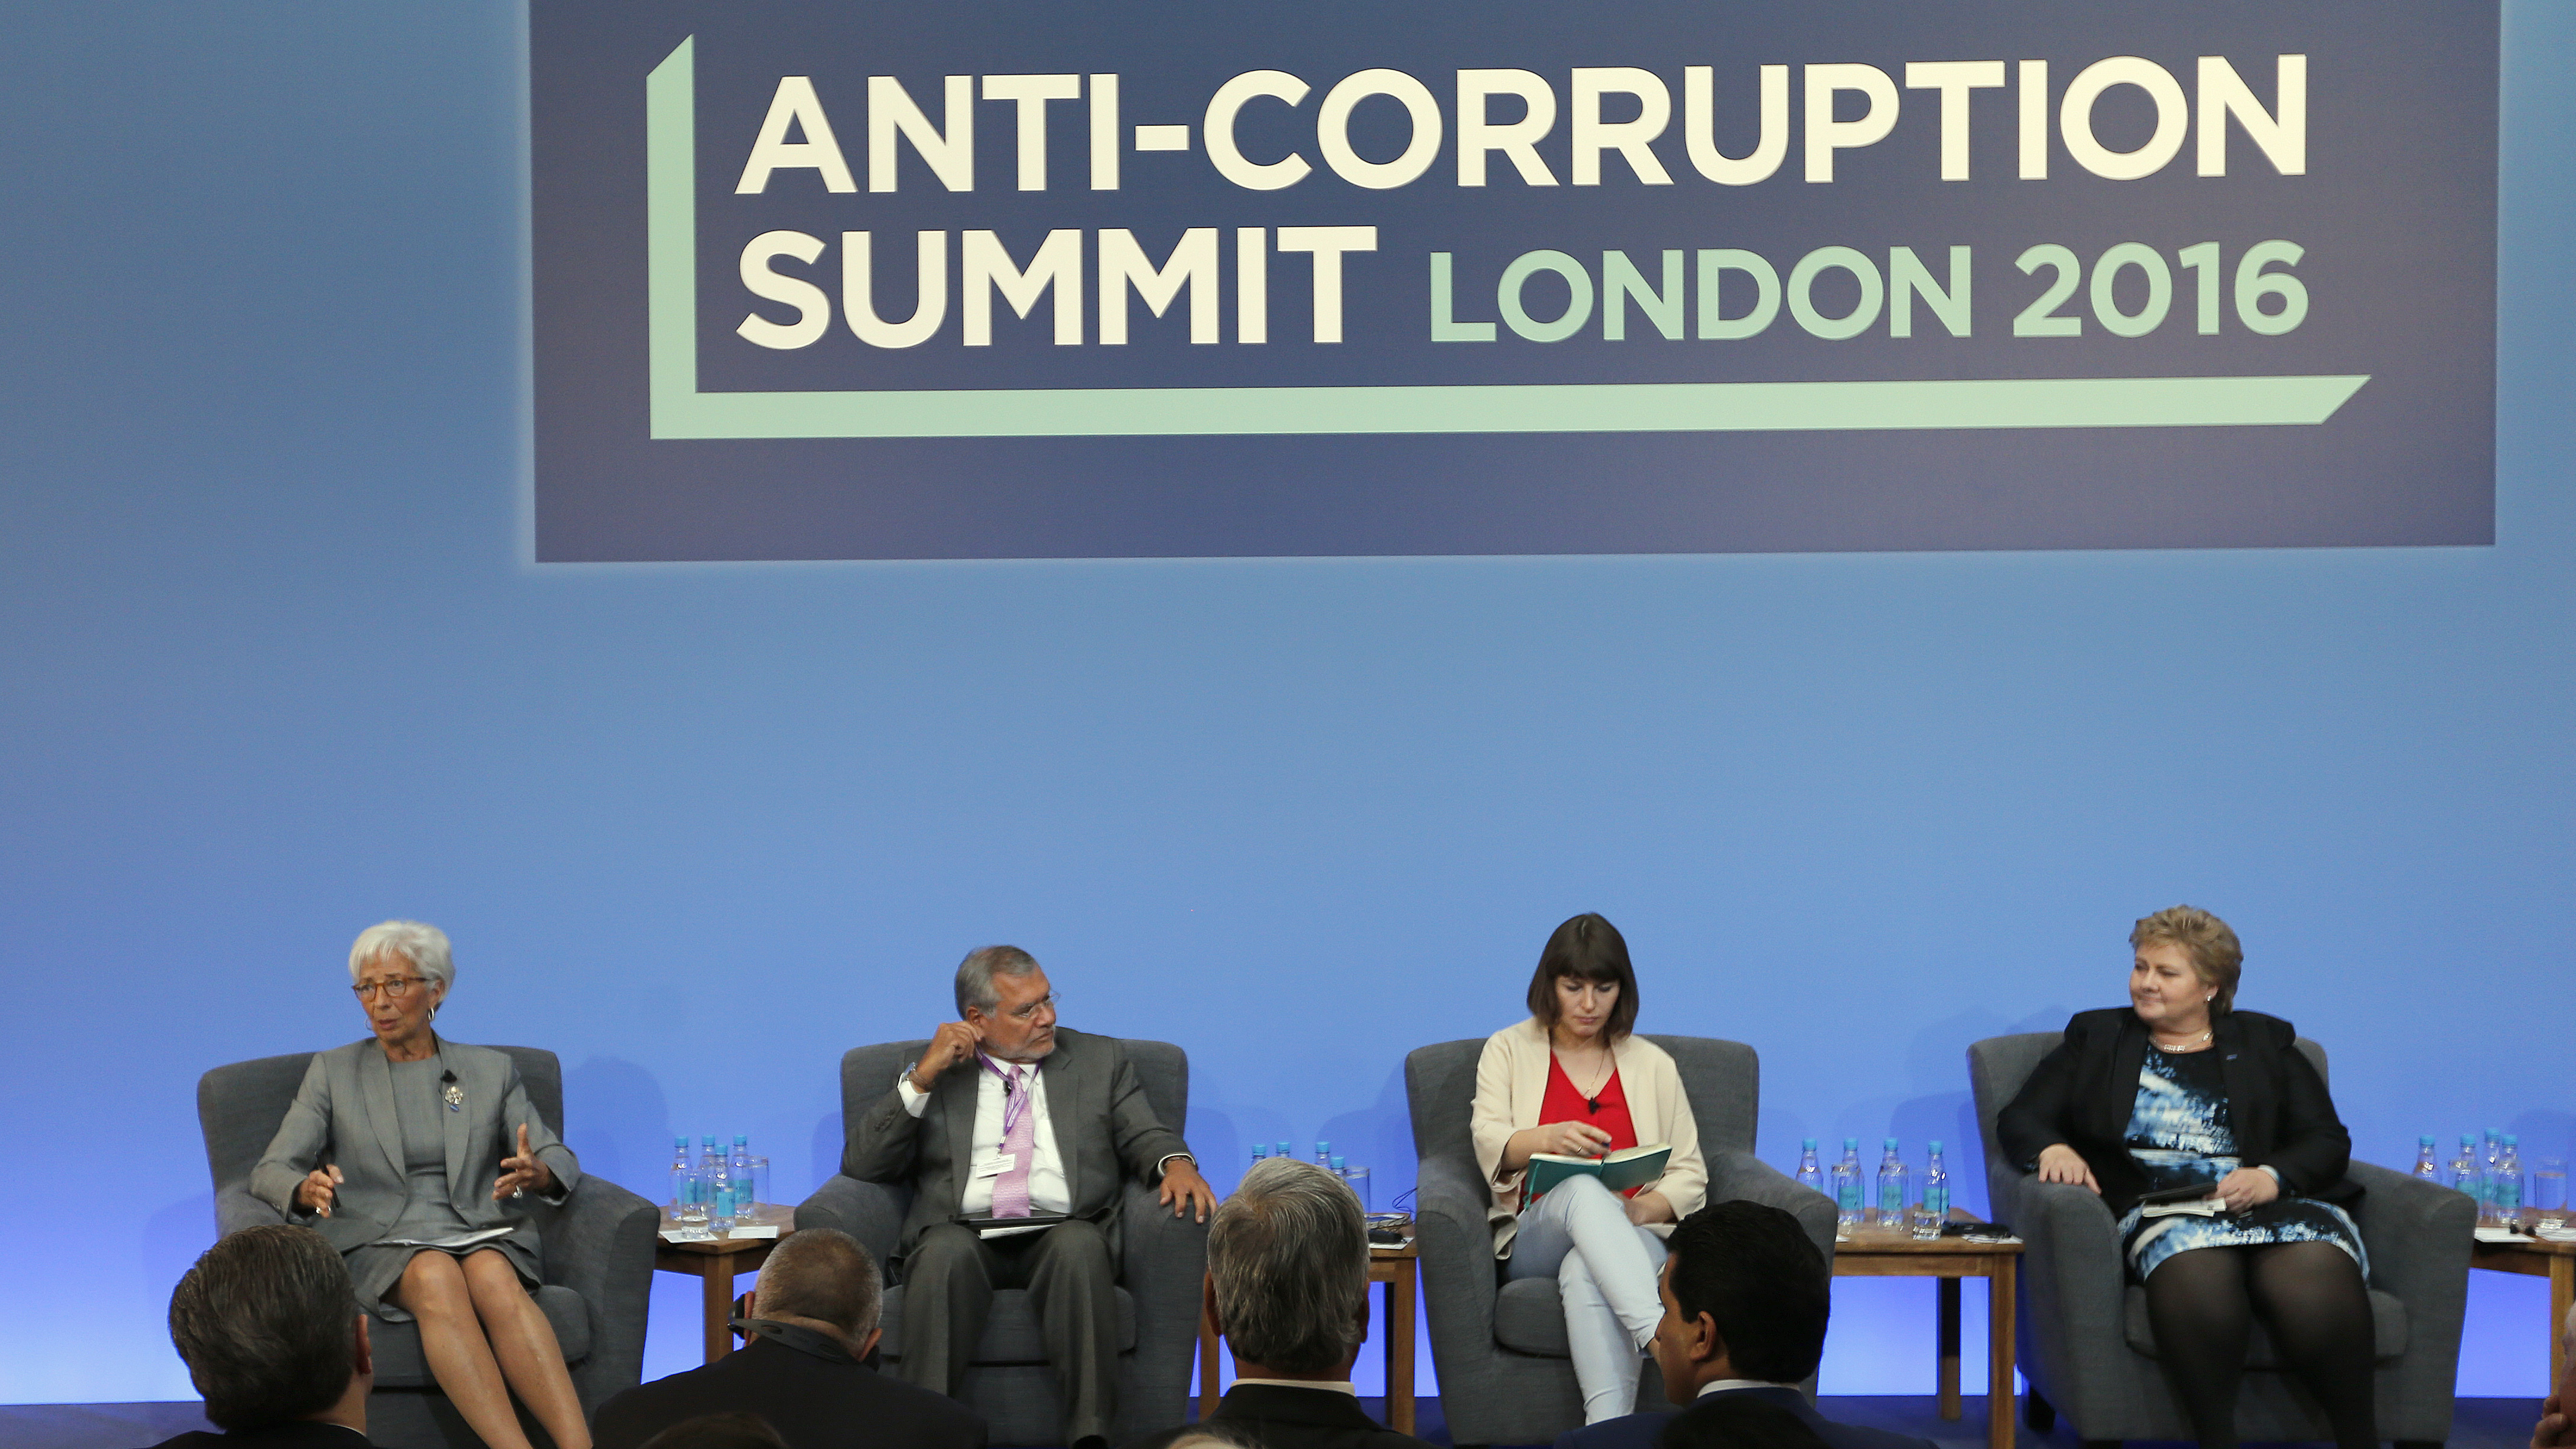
x: 760, y: 1185
x: 2549, y: 1191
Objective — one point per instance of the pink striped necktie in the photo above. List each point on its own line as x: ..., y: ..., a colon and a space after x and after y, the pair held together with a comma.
x: 1019, y: 1140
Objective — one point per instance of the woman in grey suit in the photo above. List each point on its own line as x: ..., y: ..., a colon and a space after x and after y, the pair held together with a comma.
x: 412, y: 1155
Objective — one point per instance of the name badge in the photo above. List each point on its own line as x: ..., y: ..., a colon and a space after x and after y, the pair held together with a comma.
x: 995, y: 1165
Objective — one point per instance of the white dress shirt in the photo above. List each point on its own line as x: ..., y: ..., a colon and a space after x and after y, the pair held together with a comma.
x: 1333, y: 1386
x: 1720, y: 1386
x: 1048, y: 1192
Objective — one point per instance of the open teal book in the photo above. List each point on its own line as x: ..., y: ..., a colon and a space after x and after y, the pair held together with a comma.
x: 1620, y: 1171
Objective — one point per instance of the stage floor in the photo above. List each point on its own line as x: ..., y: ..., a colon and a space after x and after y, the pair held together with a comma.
x: 2480, y: 1424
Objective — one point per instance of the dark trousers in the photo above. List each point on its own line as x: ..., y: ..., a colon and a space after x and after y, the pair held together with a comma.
x: 949, y: 1279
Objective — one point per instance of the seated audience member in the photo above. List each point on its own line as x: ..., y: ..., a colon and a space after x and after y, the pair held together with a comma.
x: 2557, y: 1426
x: 813, y: 1319
x: 1287, y: 1285
x: 1737, y: 1421
x: 718, y: 1431
x: 273, y: 1337
x: 1746, y: 1297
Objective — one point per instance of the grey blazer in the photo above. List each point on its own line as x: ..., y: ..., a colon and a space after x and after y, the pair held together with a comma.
x: 343, y: 1114
x: 1104, y: 1129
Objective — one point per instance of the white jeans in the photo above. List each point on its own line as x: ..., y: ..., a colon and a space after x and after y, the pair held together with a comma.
x: 1606, y: 1269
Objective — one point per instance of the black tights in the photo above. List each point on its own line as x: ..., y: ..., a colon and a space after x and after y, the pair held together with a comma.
x: 2312, y: 1299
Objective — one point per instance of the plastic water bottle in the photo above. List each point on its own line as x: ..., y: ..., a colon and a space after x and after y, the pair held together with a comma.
x: 1282, y: 1152
x: 1810, y: 1175
x: 2504, y: 1187
x: 2425, y: 1167
x: 684, y: 1196
x: 2466, y: 1175
x: 1891, y: 1188
x: 1847, y: 1186
x: 2490, y: 1151
x: 738, y: 1166
x: 1936, y: 1196
x: 1259, y: 1152
x: 719, y: 1184
x: 1323, y: 1153
x: 1356, y: 1177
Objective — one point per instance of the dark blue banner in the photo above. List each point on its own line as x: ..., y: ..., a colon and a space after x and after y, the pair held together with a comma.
x: 999, y: 279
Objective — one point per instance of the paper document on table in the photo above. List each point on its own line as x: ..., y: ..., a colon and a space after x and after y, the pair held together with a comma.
x: 739, y: 1233
x: 453, y: 1240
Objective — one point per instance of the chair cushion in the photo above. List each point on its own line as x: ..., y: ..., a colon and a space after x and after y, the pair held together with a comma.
x: 399, y: 1364
x: 1011, y: 1335
x: 1529, y: 1317
x: 2387, y: 1321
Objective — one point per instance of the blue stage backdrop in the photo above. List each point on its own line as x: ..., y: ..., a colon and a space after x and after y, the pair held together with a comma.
x: 1002, y: 278
x: 278, y: 661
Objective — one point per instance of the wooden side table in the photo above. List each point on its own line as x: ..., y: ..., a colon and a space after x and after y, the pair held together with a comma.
x: 1397, y: 1269
x: 716, y: 1263
x: 1894, y: 1253
x: 2553, y: 1261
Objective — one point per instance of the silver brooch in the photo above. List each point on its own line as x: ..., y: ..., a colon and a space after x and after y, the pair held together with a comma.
x: 455, y: 1096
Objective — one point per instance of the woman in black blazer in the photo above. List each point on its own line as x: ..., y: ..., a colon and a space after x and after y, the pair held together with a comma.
x: 2181, y: 1092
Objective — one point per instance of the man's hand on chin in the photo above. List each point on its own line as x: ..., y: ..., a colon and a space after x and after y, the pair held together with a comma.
x: 1183, y: 1189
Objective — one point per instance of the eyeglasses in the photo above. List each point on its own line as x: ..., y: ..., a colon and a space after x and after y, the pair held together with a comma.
x: 1030, y: 1011
x: 395, y: 988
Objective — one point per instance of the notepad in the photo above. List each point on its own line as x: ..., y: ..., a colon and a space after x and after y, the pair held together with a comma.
x: 453, y: 1240
x: 1620, y: 1171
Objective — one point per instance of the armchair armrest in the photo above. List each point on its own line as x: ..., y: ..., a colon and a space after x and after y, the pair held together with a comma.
x: 236, y: 1208
x: 1162, y: 1263
x: 2419, y: 1236
x: 1740, y: 1176
x: 2074, y: 1242
x: 600, y: 1245
x: 868, y: 1211
x: 1459, y: 1278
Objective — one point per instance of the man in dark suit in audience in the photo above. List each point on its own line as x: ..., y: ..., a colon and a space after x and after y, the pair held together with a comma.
x: 1287, y: 1284
x: 813, y: 1319
x: 1005, y: 1116
x: 1746, y: 1296
x: 273, y: 1337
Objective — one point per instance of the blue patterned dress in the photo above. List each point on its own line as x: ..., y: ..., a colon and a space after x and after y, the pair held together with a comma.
x: 2181, y: 1134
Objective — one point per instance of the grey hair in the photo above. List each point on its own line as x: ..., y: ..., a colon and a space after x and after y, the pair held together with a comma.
x: 1288, y: 1254
x: 975, y: 974
x: 822, y: 1274
x: 425, y: 947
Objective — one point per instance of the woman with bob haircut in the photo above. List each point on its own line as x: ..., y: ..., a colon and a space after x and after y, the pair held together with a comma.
x: 1575, y: 1080
x: 2178, y: 1090
x: 405, y: 1151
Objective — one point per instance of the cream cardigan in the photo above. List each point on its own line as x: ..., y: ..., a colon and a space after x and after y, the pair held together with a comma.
x: 1511, y: 1081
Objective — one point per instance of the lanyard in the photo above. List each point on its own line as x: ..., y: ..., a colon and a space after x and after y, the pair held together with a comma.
x: 1015, y: 1103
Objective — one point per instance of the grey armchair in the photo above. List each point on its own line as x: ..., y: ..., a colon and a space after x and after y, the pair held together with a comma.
x: 2086, y: 1346
x: 1506, y: 1376
x: 598, y: 1250
x: 1162, y: 1261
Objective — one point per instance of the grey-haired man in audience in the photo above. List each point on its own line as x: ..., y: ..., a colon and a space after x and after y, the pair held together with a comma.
x: 1287, y: 1284
x: 274, y: 1339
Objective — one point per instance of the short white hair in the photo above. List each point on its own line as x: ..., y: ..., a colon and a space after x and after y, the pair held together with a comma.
x: 425, y: 947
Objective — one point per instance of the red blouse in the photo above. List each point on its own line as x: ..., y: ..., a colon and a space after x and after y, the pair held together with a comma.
x: 1607, y: 1111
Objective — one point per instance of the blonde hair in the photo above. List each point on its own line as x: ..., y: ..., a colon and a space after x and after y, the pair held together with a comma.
x: 2216, y: 957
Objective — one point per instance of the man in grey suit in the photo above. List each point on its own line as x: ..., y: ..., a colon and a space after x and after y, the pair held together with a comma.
x: 1006, y: 1116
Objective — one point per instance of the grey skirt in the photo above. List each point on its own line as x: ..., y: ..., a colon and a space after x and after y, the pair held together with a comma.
x: 376, y: 1267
